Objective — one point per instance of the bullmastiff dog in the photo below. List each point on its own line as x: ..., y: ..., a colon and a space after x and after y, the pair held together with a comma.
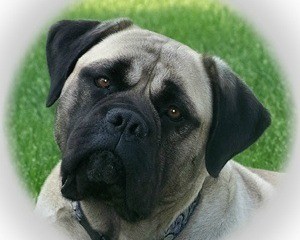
x: 147, y: 128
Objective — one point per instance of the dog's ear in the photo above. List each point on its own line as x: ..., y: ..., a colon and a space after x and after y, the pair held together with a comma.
x: 238, y: 120
x: 67, y: 41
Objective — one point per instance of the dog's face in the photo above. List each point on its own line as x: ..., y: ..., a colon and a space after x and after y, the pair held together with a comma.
x: 141, y: 116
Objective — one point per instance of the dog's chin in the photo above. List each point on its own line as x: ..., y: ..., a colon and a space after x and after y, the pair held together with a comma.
x: 102, y: 178
x: 121, y: 207
x: 113, y: 196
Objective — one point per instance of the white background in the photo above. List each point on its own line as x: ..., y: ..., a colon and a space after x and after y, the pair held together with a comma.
x: 277, y: 20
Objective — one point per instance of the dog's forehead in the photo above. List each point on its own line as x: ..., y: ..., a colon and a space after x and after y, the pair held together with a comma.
x: 131, y: 43
x: 161, y: 59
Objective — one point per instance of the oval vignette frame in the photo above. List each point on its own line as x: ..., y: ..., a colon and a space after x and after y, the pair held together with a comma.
x: 276, y: 21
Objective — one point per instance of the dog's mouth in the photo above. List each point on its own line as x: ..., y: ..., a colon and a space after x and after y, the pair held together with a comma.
x: 105, y: 167
x: 101, y: 176
x: 96, y: 175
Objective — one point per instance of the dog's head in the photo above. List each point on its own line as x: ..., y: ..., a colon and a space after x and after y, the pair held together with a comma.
x: 141, y: 115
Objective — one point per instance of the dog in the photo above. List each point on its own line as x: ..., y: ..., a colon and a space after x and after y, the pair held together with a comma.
x: 147, y: 128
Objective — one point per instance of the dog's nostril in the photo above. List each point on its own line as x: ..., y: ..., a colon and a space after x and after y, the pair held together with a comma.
x: 118, y: 121
x: 134, y: 129
x: 137, y: 130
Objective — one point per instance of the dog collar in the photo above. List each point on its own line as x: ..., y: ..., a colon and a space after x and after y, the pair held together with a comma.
x: 172, y: 232
x: 81, y: 218
x: 180, y: 222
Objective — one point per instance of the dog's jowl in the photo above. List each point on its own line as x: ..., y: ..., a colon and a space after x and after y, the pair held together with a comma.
x: 147, y: 128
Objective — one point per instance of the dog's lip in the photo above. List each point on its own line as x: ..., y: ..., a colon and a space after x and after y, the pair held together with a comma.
x: 76, y: 184
x: 75, y: 154
x: 127, y: 209
x: 72, y: 161
x: 112, y: 162
x: 118, y: 202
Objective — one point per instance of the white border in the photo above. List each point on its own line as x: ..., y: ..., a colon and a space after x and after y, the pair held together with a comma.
x: 277, y: 20
x: 20, y: 23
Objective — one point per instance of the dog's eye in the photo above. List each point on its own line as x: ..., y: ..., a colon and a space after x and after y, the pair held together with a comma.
x: 174, y: 113
x: 102, y: 83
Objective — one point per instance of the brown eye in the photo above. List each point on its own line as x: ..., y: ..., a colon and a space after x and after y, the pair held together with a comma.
x: 102, y: 83
x: 174, y: 113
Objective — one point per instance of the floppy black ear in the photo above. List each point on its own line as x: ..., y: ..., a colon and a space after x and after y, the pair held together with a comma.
x: 239, y: 119
x: 67, y: 41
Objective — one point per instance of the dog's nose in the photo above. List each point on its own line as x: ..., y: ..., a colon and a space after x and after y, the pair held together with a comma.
x: 127, y: 122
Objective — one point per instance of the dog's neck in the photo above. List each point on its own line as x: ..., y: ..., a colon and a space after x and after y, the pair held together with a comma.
x: 171, y: 233
x: 161, y: 223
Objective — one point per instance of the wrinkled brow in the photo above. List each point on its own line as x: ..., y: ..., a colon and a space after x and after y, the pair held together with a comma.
x: 173, y: 93
x: 116, y: 70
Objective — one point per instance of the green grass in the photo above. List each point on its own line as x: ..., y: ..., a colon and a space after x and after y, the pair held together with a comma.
x: 203, y: 25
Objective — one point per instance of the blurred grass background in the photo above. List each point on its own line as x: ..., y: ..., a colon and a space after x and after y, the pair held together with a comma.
x: 204, y: 25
